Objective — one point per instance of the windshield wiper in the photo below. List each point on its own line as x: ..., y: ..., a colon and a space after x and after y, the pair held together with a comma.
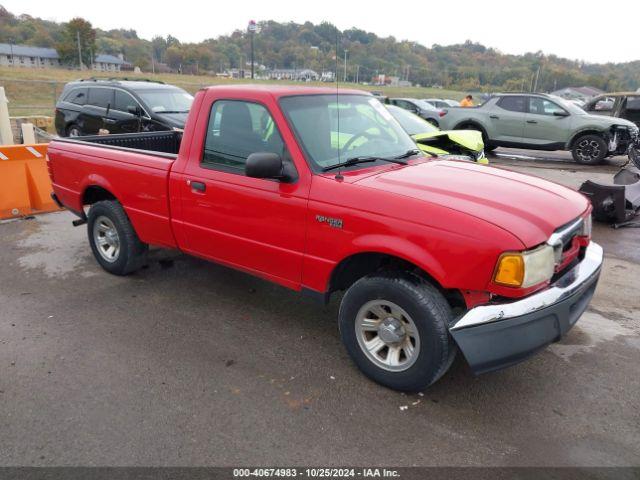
x: 174, y: 111
x: 357, y: 160
x: 408, y: 153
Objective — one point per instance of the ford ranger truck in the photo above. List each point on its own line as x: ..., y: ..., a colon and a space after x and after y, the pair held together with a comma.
x: 433, y: 255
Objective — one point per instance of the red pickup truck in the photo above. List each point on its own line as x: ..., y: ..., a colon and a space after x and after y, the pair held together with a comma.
x: 324, y: 192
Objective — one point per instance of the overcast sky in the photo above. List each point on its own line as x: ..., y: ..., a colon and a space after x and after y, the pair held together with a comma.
x: 584, y: 30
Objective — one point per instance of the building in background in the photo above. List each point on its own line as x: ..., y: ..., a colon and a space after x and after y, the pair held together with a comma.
x: 29, y: 57
x: 110, y: 63
x: 582, y: 94
x: 301, y: 75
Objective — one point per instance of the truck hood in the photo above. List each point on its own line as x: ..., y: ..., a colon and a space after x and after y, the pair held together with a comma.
x: 529, y: 207
x: 607, y: 121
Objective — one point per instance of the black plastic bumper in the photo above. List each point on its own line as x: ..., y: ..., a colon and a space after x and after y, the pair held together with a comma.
x: 502, y: 343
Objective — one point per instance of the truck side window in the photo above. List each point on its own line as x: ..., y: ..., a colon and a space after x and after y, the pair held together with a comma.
x: 513, y: 104
x: 237, y: 129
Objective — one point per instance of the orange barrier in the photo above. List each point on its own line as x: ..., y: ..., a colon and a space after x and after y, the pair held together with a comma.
x: 25, y: 187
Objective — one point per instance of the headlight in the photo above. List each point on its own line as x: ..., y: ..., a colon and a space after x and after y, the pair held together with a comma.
x: 525, y: 269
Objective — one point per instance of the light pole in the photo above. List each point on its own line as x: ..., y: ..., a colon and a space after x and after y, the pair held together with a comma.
x: 252, y: 31
x: 13, y: 61
x: 344, y: 80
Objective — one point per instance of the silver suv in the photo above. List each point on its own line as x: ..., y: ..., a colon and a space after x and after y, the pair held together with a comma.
x: 543, y: 122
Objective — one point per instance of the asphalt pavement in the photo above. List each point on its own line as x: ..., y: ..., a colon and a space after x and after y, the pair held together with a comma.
x: 189, y: 363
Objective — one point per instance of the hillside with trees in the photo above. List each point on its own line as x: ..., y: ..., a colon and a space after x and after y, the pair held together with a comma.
x: 467, y: 66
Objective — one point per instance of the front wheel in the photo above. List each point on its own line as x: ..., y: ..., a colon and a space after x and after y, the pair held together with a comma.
x: 394, y: 327
x: 113, y: 240
x: 589, y: 150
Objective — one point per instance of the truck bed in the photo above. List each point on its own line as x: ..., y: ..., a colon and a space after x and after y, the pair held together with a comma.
x: 134, y: 168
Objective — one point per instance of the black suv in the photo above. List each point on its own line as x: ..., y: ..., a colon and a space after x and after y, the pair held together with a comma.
x: 120, y: 106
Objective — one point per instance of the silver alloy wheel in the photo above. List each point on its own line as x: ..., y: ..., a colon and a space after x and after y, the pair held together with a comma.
x: 588, y: 150
x: 387, y: 335
x: 106, y: 239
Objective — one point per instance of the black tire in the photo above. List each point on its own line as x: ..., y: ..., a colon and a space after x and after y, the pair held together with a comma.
x: 430, y: 313
x: 131, y: 252
x: 74, y: 130
x: 589, y: 149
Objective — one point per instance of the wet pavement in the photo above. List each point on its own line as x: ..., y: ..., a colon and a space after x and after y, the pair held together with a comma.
x: 190, y: 363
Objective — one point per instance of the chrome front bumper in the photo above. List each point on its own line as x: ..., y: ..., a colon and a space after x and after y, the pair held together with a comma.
x: 565, y: 287
x: 499, y: 335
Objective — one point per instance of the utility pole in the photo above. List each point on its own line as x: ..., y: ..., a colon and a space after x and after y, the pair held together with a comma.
x: 13, y: 60
x: 357, y: 73
x: 79, y: 49
x: 344, y: 80
x: 252, y: 31
x: 535, y: 85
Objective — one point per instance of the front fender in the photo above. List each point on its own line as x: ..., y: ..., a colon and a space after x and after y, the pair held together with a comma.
x: 401, y: 248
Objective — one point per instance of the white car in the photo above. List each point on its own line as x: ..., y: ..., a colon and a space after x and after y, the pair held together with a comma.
x: 442, y: 102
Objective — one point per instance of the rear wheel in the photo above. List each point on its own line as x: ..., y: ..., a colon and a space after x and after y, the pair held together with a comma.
x: 394, y: 326
x: 589, y: 149
x: 74, y: 131
x: 113, y: 240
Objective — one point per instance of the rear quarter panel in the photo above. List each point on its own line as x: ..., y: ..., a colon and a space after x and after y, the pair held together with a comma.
x: 139, y: 182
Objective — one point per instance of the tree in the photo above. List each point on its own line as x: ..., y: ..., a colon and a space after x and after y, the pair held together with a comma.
x: 68, y: 46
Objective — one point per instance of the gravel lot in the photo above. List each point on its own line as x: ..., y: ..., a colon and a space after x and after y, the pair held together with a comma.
x: 189, y: 363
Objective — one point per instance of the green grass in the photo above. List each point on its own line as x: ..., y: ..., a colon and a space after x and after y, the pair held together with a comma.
x: 35, y: 91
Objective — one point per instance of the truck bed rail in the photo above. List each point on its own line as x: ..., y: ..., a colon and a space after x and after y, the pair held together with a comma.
x: 167, y: 142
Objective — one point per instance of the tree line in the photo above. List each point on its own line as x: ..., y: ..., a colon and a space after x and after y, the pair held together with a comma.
x: 322, y: 47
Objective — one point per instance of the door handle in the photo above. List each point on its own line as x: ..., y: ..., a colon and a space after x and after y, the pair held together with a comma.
x: 531, y: 121
x: 197, y: 186
x: 109, y: 120
x: 495, y: 117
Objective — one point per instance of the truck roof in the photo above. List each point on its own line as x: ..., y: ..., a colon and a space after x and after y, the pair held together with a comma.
x: 287, y: 90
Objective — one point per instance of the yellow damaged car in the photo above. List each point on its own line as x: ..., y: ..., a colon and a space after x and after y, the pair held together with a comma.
x: 443, y: 143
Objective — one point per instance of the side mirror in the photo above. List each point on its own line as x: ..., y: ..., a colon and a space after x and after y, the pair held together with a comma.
x: 134, y: 110
x: 561, y: 113
x: 264, y: 165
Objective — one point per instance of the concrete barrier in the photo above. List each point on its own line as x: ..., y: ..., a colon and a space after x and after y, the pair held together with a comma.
x: 25, y: 187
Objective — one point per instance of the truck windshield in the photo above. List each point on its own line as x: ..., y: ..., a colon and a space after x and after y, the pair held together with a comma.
x: 333, y: 130
x: 167, y: 100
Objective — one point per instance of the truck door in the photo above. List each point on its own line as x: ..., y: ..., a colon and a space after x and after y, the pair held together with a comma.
x: 256, y: 224
x: 546, y: 123
x: 506, y: 119
x: 631, y: 109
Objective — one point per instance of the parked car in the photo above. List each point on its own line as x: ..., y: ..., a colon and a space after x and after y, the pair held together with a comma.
x: 543, y: 122
x: 420, y: 107
x: 120, y: 106
x: 619, y: 105
x: 434, y: 255
x: 442, y: 103
x: 460, y: 143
